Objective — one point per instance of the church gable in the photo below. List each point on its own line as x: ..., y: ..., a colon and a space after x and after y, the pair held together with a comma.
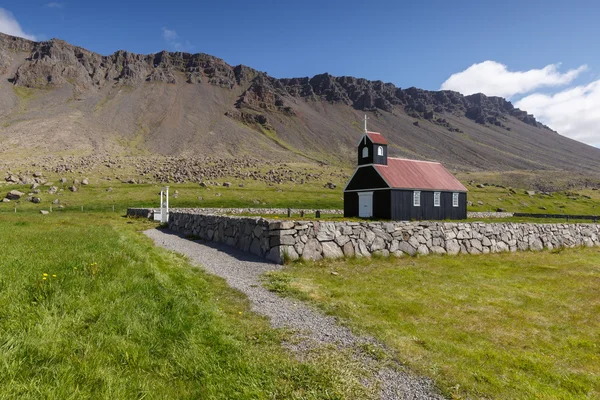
x: 366, y: 178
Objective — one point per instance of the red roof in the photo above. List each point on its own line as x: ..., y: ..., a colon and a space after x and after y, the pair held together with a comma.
x: 413, y: 174
x: 377, y: 138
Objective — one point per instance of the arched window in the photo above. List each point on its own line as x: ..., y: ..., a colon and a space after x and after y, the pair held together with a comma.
x: 365, y: 152
x: 380, y: 151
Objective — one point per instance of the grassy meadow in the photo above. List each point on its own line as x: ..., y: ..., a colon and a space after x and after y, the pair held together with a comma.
x: 98, y: 197
x: 90, y: 309
x: 501, y: 326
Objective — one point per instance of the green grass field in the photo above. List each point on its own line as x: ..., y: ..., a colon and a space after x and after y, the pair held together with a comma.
x: 90, y: 309
x: 122, y: 319
x: 257, y: 194
x: 95, y: 197
x: 502, y: 326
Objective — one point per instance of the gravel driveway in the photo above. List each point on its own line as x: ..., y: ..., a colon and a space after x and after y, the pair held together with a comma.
x: 242, y: 271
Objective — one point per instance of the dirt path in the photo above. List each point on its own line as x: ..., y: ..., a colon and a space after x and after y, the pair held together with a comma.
x: 242, y: 271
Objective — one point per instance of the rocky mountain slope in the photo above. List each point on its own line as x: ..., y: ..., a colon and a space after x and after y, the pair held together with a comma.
x: 56, y: 98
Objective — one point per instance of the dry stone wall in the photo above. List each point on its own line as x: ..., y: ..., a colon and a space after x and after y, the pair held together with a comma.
x: 312, y: 240
x: 140, y: 212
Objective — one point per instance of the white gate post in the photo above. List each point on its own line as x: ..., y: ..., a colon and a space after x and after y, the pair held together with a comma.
x: 161, y: 204
x: 165, y: 210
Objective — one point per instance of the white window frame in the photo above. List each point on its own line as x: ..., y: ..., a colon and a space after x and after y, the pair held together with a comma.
x: 380, y: 151
x: 365, y: 152
x: 455, y: 201
x: 417, y: 198
x: 437, y: 199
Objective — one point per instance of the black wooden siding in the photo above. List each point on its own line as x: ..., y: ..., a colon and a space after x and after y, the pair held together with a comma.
x: 381, y: 204
x: 350, y: 204
x: 373, y: 158
x: 366, y: 178
x: 403, y: 209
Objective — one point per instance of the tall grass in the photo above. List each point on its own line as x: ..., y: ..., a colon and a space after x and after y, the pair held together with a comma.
x: 90, y: 309
x: 501, y: 326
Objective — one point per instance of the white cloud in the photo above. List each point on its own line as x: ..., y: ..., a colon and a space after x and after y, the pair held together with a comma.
x: 10, y: 26
x: 574, y: 112
x: 174, y: 41
x: 55, y: 4
x: 494, y: 79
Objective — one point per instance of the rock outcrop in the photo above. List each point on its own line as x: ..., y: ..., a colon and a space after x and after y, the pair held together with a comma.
x: 56, y: 62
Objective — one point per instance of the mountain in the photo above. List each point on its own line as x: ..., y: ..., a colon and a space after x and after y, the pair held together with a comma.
x: 57, y: 99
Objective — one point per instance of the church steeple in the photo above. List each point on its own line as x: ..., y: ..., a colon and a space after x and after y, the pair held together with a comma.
x: 372, y: 148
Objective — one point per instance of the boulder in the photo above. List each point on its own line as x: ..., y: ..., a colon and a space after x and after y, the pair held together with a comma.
x: 438, y: 250
x: 44, y: 212
x: 85, y: 182
x: 73, y: 188
x: 348, y: 249
x: 14, y: 195
x: 36, y: 200
x: 331, y: 250
x: 312, y: 250
x: 378, y: 244
x: 452, y: 247
x: 405, y: 247
x: 423, y: 249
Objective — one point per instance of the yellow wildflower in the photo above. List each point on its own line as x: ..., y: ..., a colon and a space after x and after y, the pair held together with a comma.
x: 54, y: 276
x: 45, y: 274
x: 44, y: 278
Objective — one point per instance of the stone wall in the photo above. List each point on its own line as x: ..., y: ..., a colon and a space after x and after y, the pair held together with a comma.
x: 141, y: 212
x: 276, y: 240
x: 488, y: 215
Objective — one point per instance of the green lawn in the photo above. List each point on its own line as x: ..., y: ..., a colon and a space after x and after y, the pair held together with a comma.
x: 501, y: 326
x: 90, y: 309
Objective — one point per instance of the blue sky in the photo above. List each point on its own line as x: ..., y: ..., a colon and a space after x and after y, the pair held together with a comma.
x: 407, y: 43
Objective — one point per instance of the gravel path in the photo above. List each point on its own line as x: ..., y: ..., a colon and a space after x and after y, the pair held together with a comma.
x: 242, y: 271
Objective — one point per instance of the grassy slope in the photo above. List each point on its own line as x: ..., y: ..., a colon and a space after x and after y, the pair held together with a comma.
x: 117, y: 318
x: 504, y: 326
x: 257, y: 194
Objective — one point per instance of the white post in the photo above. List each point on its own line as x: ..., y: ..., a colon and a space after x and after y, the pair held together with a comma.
x: 161, y: 204
x: 366, y: 118
x: 165, y: 216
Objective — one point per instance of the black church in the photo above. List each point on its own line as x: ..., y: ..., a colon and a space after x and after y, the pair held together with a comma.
x: 399, y: 189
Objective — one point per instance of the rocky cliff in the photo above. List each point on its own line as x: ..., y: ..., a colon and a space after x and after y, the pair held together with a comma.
x: 171, y: 102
